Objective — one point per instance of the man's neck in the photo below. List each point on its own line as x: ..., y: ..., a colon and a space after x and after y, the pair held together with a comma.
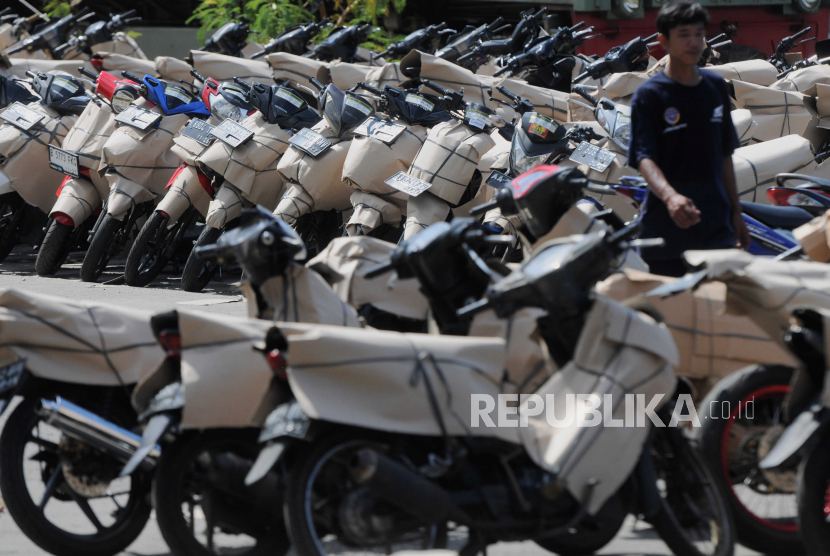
x: 684, y: 74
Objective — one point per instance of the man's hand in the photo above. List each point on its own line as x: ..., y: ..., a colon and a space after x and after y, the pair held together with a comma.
x: 682, y: 210
x: 742, y: 239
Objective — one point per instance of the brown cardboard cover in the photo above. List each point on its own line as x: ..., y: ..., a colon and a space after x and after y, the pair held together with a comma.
x: 121, y: 44
x: 813, y: 237
x: 371, y: 211
x: 545, y: 101
x: 759, y: 72
x: 20, y: 66
x: 447, y: 74
x: 802, y: 80
x: 88, y: 136
x: 78, y: 342
x: 227, y: 205
x: 225, y: 68
x: 173, y: 69
x: 422, y: 211
x: 757, y: 165
x: 297, y: 69
x: 778, y: 113
x: 79, y: 198
x: 745, y: 126
x: 116, y: 63
x: 449, y: 158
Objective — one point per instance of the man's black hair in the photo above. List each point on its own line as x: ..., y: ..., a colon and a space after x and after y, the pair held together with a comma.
x: 676, y: 14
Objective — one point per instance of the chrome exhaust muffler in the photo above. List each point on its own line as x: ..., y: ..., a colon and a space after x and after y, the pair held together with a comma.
x: 87, y: 427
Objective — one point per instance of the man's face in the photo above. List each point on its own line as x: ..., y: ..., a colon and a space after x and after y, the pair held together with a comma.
x: 685, y: 42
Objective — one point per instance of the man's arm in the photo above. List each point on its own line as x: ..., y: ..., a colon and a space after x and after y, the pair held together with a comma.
x: 742, y: 239
x: 682, y: 209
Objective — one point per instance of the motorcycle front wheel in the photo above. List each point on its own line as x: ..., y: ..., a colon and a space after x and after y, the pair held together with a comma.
x: 103, y: 247
x: 813, y: 495
x: 202, y: 504
x: 146, y: 259
x: 10, y: 204
x: 60, y: 239
x: 66, y: 497
x: 199, y: 272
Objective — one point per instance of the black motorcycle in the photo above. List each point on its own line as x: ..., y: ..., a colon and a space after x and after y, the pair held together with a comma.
x: 293, y: 40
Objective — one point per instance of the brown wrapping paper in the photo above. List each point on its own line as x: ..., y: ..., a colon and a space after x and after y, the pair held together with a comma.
x: 345, y: 261
x: 317, y: 181
x: 248, y: 162
x: 70, y: 67
x: 801, y: 81
x: 121, y: 44
x: 79, y: 198
x: 744, y: 125
x: 297, y: 69
x: 822, y: 96
x: 116, y: 63
x: 225, y: 68
x: 814, y: 238
x: 227, y: 205
x: 449, y: 158
x: 778, y: 113
x: 184, y: 190
x: 757, y: 165
x: 370, y: 161
x: 759, y: 72
x: 447, y: 74
x: 711, y: 343
x: 422, y: 211
x: 369, y: 212
x: 78, y: 342
x: 172, y: 69
x: 87, y: 137
x: 24, y: 156
x: 545, y: 101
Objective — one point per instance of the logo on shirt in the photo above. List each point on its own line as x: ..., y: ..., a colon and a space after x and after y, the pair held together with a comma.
x: 717, y: 114
x: 671, y: 115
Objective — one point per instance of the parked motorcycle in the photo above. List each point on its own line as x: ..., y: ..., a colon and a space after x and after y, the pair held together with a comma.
x: 341, y: 44
x: 137, y: 162
x: 524, y: 34
x: 778, y: 58
x: 422, y: 40
x: 229, y: 39
x: 53, y: 35
x: 632, y: 56
x: 460, y: 44
x: 293, y: 40
x: 30, y: 132
x: 81, y: 192
x: 249, y: 168
x: 190, y: 190
x: 102, y: 35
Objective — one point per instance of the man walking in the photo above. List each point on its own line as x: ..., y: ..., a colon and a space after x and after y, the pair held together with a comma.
x: 682, y: 141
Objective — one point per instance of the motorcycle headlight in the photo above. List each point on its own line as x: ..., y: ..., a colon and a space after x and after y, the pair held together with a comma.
x: 622, y: 131
x: 223, y: 110
x: 520, y: 162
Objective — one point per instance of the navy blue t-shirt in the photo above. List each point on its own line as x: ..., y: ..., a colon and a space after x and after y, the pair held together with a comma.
x: 687, y: 131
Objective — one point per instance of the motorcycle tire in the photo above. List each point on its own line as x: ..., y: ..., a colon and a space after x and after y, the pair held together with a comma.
x: 9, y: 203
x: 59, y: 241
x: 813, y: 496
x: 592, y: 533
x: 182, y: 473
x: 141, y: 268
x: 197, y: 272
x: 305, y: 467
x: 100, y: 248
x: 33, y: 522
x: 690, y: 490
x: 719, y: 445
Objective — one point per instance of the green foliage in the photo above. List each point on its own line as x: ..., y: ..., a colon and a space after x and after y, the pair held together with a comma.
x: 57, y: 8
x: 267, y: 18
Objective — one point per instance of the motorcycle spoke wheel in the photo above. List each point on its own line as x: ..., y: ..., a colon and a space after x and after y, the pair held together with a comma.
x: 327, y: 513
x: 67, y: 501
x: 146, y: 259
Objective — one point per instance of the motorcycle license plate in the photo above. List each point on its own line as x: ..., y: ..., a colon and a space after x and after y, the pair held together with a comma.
x: 498, y: 179
x: 380, y: 130
x: 199, y: 131
x: 138, y: 118
x: 21, y: 116
x: 310, y: 142
x: 410, y: 185
x: 232, y: 133
x: 65, y: 162
x: 596, y: 158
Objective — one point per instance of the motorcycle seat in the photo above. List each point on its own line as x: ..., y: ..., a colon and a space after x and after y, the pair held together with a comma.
x: 787, y: 218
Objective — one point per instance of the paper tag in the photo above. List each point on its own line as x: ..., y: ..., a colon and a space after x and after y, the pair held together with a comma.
x: 498, y: 179
x: 290, y: 97
x: 419, y: 101
x: 138, y: 117
x: 310, y: 142
x: 65, y: 162
x: 232, y: 133
x: 199, y: 131
x: 541, y: 125
x: 410, y: 185
x: 477, y: 119
x: 358, y: 104
x: 377, y: 128
x: 596, y: 158
x: 21, y: 116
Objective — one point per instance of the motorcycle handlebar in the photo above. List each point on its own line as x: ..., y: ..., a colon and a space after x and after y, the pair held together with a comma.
x: 508, y: 93
x: 499, y: 20
x: 242, y: 82
x: 130, y: 21
x: 316, y: 83
x: 371, y: 89
x: 651, y: 37
x: 128, y: 13
x: 502, y: 71
x: 198, y: 76
x: 584, y: 94
x: 469, y: 55
x: 16, y: 49
x: 577, y: 27
x: 82, y: 70
x: 502, y: 28
x: 434, y: 87
x: 483, y: 208
x: 800, y: 33
x: 131, y: 76
x: 581, y: 77
x: 540, y: 13
x: 378, y: 270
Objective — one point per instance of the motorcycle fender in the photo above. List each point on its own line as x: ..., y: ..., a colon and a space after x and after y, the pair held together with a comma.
x: 124, y: 195
x: 797, y: 436
x: 158, y: 425
x: 78, y: 199
x: 185, y: 189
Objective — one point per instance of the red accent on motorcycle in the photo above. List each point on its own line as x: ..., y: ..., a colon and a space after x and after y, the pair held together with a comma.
x: 60, y: 187
x: 278, y: 363
x: 64, y: 219
x: 171, y: 341
x: 525, y: 182
x: 178, y: 171
x: 210, y: 88
x: 84, y: 171
x: 205, y: 181
x: 97, y: 63
x: 164, y: 214
x: 780, y: 197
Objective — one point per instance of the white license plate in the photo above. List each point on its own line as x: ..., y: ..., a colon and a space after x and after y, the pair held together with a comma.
x: 596, y: 158
x: 408, y: 184
x: 138, y: 117
x: 199, y: 131
x: 63, y: 161
x: 232, y: 133
x: 21, y: 116
x: 309, y: 141
x: 380, y: 130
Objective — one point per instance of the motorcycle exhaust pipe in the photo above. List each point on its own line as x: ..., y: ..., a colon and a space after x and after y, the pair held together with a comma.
x: 87, y: 427
x: 405, y: 489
